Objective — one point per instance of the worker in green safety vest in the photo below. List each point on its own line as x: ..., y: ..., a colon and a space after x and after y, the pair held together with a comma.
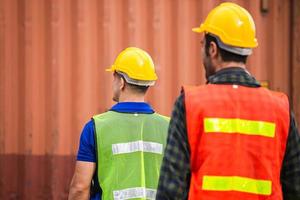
x: 121, y: 150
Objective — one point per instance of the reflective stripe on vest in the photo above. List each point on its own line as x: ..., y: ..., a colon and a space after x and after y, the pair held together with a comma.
x: 242, y: 126
x: 133, y: 193
x: 130, y: 147
x: 237, y: 183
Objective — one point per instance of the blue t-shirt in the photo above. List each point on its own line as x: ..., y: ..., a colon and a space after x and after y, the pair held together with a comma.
x: 87, y: 150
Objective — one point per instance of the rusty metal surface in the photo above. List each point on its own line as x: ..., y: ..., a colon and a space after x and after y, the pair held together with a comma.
x: 52, y: 59
x: 296, y: 58
x: 35, y: 177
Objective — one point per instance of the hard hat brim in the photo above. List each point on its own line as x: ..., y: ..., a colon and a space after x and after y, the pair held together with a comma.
x: 198, y: 29
x: 110, y: 69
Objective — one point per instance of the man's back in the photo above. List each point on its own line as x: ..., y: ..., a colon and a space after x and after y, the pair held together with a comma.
x: 129, y: 150
x: 241, y: 130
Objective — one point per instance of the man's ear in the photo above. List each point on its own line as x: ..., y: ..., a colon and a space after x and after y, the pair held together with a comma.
x: 122, y: 83
x: 213, y: 50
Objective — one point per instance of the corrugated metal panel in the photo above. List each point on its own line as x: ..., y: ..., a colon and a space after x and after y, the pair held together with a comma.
x: 52, y: 59
x: 295, y: 74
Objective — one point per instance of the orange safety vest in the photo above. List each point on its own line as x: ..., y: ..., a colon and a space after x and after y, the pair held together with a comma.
x: 237, y: 137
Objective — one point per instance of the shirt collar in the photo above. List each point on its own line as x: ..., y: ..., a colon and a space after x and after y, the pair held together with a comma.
x: 234, y: 75
x: 132, y: 107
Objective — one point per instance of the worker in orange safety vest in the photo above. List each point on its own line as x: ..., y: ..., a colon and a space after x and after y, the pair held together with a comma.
x: 232, y: 138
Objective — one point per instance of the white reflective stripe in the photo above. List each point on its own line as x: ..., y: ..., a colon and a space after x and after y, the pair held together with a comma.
x: 132, y: 193
x: 135, y: 146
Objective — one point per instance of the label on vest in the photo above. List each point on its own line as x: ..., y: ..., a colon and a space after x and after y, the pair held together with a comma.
x: 132, y: 193
x: 130, y: 147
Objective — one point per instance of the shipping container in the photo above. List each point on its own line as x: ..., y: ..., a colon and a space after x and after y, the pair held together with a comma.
x: 53, y: 56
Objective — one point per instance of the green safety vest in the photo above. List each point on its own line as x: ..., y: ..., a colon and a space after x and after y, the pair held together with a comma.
x: 130, y: 149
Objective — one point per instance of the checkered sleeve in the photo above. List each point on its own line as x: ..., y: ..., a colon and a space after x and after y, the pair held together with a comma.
x: 290, y: 172
x: 175, y: 170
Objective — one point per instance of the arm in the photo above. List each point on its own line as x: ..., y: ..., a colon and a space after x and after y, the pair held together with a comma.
x: 85, y: 164
x: 290, y: 172
x: 175, y: 170
x: 81, y: 181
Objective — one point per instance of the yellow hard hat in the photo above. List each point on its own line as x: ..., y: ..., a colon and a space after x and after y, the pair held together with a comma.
x: 137, y: 65
x: 232, y: 24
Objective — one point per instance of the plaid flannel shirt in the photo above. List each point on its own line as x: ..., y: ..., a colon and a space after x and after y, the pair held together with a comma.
x: 175, y: 171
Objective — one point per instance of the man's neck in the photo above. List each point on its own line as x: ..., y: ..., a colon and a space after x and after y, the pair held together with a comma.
x: 131, y: 98
x: 225, y: 65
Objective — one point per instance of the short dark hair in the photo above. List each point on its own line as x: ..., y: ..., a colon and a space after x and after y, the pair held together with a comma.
x: 135, y: 88
x: 225, y: 55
